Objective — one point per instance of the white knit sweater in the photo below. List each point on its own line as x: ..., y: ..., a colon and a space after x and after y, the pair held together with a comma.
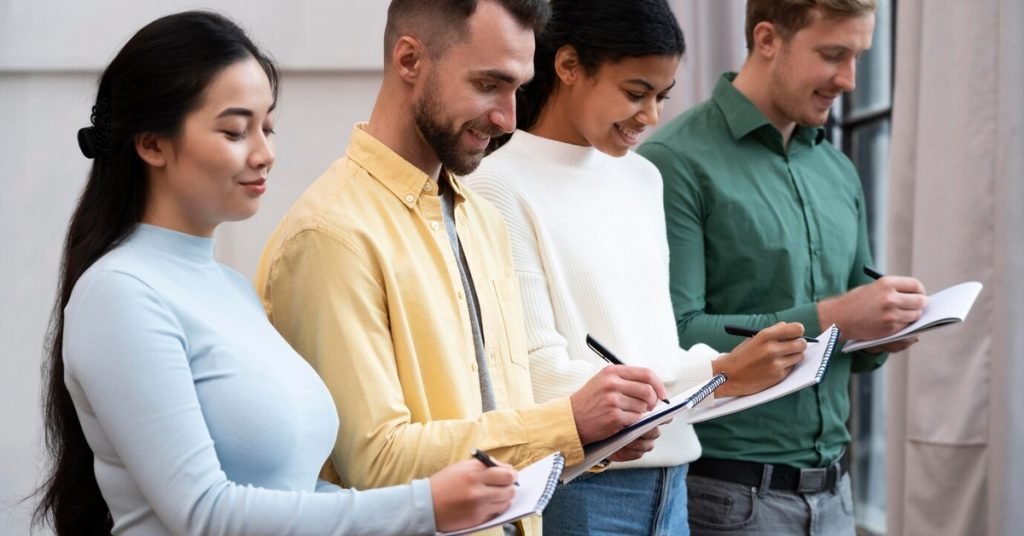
x: 589, y: 243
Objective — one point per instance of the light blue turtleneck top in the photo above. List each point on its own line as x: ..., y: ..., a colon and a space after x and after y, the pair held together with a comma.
x: 202, y: 419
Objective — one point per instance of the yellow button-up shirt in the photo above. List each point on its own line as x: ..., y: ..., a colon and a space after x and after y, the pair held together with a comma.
x: 361, y: 279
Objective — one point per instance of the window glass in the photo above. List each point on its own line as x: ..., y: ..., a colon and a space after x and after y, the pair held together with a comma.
x: 874, y: 69
x: 862, y: 128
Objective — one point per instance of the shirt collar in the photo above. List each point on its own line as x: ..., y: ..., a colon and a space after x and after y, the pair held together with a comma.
x: 406, y: 181
x: 743, y: 117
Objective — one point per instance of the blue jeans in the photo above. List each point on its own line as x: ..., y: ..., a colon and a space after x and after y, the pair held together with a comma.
x: 721, y: 508
x: 624, y: 502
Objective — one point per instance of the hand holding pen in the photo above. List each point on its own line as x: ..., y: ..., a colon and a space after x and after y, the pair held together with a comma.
x: 895, y: 346
x: 614, y: 398
x: 608, y: 356
x: 877, y: 309
x: 466, y: 493
x: 486, y: 459
x: 761, y: 361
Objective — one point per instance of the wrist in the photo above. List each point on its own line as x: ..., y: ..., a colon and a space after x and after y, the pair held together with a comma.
x: 580, y: 426
x: 826, y: 313
x: 720, y: 366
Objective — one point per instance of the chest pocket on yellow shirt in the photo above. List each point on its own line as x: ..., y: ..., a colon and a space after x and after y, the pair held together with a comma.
x: 506, y: 290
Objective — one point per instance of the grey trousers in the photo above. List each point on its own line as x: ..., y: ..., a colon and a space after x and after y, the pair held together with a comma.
x: 718, y: 507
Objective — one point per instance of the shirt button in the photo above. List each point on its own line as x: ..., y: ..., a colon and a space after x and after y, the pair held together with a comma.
x: 409, y: 198
x: 472, y: 366
x: 434, y: 225
x: 461, y: 295
x: 428, y: 186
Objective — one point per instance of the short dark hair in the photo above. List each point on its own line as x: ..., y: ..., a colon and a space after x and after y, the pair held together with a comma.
x: 158, y: 77
x: 601, y: 31
x: 440, y: 23
x: 791, y: 16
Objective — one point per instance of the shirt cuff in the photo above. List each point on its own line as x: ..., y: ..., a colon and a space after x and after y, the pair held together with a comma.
x: 552, y: 427
x: 865, y: 362
x: 423, y: 506
x: 806, y: 314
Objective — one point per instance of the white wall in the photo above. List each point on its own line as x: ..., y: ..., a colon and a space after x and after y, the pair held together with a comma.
x: 302, y: 34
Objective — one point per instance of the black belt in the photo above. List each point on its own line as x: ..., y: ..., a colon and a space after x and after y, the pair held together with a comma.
x: 784, y: 477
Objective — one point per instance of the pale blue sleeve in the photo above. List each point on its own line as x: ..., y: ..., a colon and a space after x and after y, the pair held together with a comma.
x: 126, y: 355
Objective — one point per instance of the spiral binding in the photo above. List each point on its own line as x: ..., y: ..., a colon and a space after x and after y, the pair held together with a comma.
x: 557, y: 465
x: 706, y: 391
x: 827, y: 356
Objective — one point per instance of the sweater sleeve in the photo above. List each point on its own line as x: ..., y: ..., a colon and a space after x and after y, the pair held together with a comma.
x: 127, y: 369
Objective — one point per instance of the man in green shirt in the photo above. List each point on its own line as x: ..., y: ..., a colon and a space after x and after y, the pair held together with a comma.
x: 766, y: 223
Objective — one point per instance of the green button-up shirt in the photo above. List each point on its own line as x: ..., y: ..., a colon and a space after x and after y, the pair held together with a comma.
x: 759, y: 234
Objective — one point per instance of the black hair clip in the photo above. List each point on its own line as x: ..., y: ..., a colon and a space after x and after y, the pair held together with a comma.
x: 94, y: 141
x: 86, y: 142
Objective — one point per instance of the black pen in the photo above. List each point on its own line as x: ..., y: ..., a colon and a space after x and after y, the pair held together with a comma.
x: 747, y: 332
x: 608, y: 356
x: 486, y: 459
x: 872, y: 274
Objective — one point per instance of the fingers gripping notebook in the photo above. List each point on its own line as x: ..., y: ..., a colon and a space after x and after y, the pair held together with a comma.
x: 808, y: 372
x: 598, y: 451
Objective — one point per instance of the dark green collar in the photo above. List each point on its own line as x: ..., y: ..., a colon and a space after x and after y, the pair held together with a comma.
x: 744, y: 118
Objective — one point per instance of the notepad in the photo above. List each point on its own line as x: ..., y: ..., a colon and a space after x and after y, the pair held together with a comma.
x: 808, y: 372
x: 598, y: 451
x: 947, y: 306
x: 537, y: 483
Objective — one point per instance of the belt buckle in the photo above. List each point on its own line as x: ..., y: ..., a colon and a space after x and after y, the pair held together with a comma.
x: 812, y: 480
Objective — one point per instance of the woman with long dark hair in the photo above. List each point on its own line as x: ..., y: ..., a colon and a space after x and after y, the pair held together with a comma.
x: 587, y: 226
x: 172, y: 405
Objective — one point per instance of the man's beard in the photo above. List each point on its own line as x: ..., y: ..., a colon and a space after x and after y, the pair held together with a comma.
x: 446, y: 144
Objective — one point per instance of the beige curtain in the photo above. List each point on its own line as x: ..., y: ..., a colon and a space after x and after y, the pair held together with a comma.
x: 714, y: 44
x: 956, y: 213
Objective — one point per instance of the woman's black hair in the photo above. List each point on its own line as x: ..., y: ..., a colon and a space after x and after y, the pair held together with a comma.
x: 601, y: 31
x: 157, y: 78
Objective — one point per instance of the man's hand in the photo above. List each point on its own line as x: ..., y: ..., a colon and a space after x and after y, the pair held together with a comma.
x: 875, y: 310
x: 761, y: 361
x: 614, y: 399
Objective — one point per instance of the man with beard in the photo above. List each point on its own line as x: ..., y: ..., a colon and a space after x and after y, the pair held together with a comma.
x: 397, y: 284
x: 766, y: 222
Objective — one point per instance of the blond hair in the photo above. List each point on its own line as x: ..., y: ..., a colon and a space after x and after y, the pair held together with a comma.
x: 791, y: 16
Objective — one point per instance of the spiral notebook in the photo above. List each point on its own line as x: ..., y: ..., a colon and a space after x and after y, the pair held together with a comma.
x: 537, y: 483
x: 598, y: 451
x: 808, y: 372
